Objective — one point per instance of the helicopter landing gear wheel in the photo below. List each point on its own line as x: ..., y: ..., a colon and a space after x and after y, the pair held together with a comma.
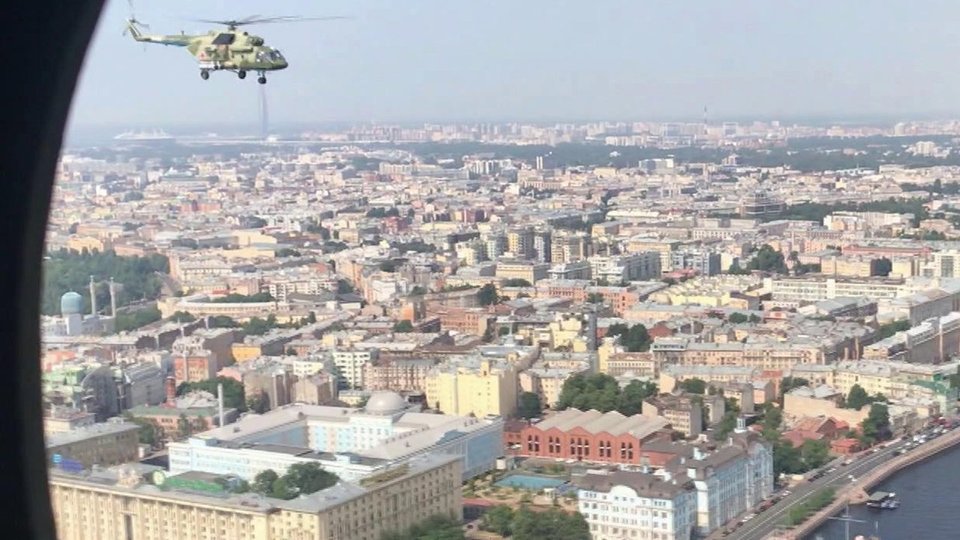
x: 262, y: 80
x: 204, y: 74
x: 242, y: 74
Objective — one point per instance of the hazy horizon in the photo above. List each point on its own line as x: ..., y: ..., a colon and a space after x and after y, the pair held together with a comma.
x: 434, y: 61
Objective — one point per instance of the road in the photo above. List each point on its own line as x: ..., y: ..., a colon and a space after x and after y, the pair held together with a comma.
x: 765, y: 523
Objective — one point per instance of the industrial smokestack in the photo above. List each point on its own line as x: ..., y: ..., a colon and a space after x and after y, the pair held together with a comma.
x: 93, y: 297
x: 220, y: 402
x: 113, y: 299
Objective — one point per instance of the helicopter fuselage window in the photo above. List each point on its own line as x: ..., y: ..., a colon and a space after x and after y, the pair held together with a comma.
x: 224, y: 39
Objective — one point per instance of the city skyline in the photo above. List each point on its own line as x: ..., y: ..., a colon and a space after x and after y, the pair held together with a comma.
x: 441, y: 63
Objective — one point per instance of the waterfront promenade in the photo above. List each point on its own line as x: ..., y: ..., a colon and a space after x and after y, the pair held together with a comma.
x: 857, y: 492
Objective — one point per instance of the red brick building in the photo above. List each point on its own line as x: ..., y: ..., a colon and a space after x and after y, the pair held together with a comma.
x: 588, y: 436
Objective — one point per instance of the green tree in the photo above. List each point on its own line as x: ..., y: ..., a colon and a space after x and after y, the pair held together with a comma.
x: 786, y: 458
x: 148, y: 432
x: 857, y: 397
x: 529, y: 405
x: 488, y: 295
x: 768, y: 259
x: 282, y: 489
x: 772, y: 420
x: 876, y: 426
x: 594, y: 298
x: 633, y: 395
x: 127, y: 321
x: 288, y: 252
x: 516, y: 282
x: 637, y: 339
x: 438, y: 527
x: 184, y: 426
x: 309, y: 477
x: 139, y: 277
x: 222, y: 321
x: 693, y: 386
x: 737, y: 318
x: 499, y: 520
x: 552, y: 524
x: 403, y: 327
x: 263, y: 481
x: 815, y: 454
x: 233, y: 393
x: 891, y: 328
x: 789, y: 383
x: 258, y: 403
x: 182, y: 317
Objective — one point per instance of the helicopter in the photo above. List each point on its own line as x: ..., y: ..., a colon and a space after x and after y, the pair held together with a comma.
x: 225, y: 50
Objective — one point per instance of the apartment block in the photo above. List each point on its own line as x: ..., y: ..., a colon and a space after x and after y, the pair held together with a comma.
x: 121, y: 503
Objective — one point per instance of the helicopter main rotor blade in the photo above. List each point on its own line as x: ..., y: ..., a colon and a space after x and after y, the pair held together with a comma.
x: 256, y: 19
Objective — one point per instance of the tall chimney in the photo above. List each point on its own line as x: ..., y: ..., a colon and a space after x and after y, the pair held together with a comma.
x: 113, y: 299
x: 171, y: 390
x: 93, y: 297
x: 220, y: 402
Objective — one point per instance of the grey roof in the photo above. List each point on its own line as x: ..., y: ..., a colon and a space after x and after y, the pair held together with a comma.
x: 595, y: 421
x: 645, y: 484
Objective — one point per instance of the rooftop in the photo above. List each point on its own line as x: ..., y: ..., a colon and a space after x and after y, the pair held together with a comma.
x: 612, y: 422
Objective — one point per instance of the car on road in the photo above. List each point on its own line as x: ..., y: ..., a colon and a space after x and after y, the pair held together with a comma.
x: 847, y: 462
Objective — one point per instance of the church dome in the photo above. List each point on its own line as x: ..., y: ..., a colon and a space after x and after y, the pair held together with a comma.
x: 71, y: 303
x: 385, y: 403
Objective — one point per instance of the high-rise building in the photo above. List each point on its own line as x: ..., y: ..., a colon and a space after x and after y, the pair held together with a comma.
x: 520, y: 242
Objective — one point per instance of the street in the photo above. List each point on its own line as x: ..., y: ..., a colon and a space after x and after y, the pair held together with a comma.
x: 766, y: 522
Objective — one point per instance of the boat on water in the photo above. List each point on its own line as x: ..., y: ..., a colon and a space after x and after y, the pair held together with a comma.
x: 883, y: 500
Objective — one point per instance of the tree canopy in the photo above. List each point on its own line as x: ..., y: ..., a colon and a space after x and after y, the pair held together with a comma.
x: 602, y: 392
x: 529, y: 405
x: 525, y: 524
x: 768, y: 259
x: 233, y: 392
x: 402, y: 327
x: 234, y: 298
x: 300, y: 479
x: 693, y: 386
x: 634, y: 338
x: 876, y: 426
x: 516, y: 282
x: 437, y: 527
x: 488, y: 295
x: 65, y: 271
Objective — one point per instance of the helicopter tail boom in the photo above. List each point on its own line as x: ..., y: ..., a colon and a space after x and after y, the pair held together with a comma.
x: 135, y: 27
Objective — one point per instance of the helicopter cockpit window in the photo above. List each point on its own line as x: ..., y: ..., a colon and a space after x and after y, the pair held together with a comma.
x: 224, y: 39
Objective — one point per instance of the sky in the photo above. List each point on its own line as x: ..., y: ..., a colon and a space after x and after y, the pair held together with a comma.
x: 536, y: 60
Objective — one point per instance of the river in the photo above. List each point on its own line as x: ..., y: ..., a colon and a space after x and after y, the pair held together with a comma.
x: 929, y: 494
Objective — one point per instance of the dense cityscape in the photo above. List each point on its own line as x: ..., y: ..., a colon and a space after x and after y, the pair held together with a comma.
x: 585, y: 331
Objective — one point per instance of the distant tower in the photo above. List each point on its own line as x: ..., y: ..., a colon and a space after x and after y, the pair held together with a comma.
x: 539, y: 163
x: 93, y: 297
x: 705, y: 115
x: 264, y: 116
x: 113, y: 298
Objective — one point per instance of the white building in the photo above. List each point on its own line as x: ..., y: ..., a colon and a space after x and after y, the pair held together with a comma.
x: 627, y: 505
x: 350, y: 365
x: 635, y: 266
x: 351, y: 443
x: 729, y: 480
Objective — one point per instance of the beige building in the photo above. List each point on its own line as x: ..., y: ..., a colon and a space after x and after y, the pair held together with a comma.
x: 487, y: 388
x: 680, y: 411
x: 526, y: 270
x: 119, y: 503
x: 109, y: 443
x: 768, y: 355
